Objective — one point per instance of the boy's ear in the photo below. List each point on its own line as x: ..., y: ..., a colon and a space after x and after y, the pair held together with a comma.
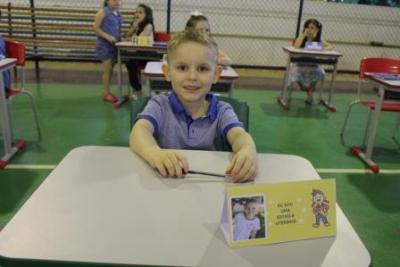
x: 218, y: 71
x: 165, y: 70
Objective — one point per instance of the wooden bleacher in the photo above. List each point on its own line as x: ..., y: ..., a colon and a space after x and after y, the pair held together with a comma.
x: 53, y: 33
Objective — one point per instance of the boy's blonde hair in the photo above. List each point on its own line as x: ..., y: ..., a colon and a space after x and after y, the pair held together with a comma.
x: 191, y: 35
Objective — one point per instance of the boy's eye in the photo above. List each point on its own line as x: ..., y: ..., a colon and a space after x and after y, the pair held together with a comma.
x: 203, y: 68
x: 181, y: 67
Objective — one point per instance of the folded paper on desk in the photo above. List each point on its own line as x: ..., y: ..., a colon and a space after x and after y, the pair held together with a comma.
x: 262, y: 214
x: 143, y: 40
x: 314, y: 46
x: 387, y: 76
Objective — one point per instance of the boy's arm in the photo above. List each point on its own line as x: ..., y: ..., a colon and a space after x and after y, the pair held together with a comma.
x: 253, y: 234
x: 243, y: 166
x: 167, y: 162
x: 98, y: 19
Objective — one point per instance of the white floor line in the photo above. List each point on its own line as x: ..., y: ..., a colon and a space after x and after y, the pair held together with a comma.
x: 30, y: 166
x: 355, y: 171
x: 382, y: 171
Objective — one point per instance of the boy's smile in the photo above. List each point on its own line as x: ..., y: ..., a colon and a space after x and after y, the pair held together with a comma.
x: 192, y: 69
x: 251, y: 210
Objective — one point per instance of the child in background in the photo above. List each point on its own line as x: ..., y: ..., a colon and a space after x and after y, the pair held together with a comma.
x: 246, y: 224
x: 308, y: 75
x: 142, y: 25
x: 107, y: 25
x: 3, y: 54
x: 199, y: 22
x: 190, y: 117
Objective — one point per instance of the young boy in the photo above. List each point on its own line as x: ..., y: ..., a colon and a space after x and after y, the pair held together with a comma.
x: 190, y: 117
x: 246, y: 224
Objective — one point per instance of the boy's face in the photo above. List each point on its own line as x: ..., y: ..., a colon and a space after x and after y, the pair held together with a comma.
x: 251, y: 210
x: 318, y: 198
x: 192, y: 69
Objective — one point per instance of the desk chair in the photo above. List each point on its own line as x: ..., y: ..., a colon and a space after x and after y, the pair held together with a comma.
x: 383, y: 65
x: 162, y: 37
x: 16, y: 50
x: 241, y: 109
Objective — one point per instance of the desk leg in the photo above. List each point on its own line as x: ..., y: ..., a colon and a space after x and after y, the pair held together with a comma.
x: 283, y: 99
x: 121, y: 98
x: 367, y: 156
x: 9, y: 149
x: 231, y: 90
x: 331, y: 91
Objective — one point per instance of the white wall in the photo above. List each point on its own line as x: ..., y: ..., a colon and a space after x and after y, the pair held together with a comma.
x: 253, y: 32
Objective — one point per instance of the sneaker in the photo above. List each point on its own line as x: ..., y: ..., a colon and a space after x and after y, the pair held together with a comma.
x: 110, y: 98
x: 308, y: 102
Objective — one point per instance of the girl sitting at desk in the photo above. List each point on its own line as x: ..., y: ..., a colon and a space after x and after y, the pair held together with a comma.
x: 3, y: 54
x: 199, y: 22
x: 308, y: 75
x: 142, y: 25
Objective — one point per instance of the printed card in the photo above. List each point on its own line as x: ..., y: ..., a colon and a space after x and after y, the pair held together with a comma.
x: 261, y: 214
x: 144, y: 40
x: 314, y: 46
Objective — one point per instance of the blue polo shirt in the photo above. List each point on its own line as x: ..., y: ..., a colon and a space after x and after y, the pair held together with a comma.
x: 175, y: 128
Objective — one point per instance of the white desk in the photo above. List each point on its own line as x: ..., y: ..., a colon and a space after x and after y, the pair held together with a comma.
x: 10, y: 147
x: 129, y: 48
x: 153, y: 72
x: 105, y: 205
x: 384, y: 84
x: 309, y: 56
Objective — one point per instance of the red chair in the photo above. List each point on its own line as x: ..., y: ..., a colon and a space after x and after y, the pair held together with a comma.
x: 383, y: 65
x: 162, y: 37
x: 16, y: 50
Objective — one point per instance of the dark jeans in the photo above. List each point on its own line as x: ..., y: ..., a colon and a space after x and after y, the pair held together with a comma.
x: 134, y: 67
x: 390, y: 95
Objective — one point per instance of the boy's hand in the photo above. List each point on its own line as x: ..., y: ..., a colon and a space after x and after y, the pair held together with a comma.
x: 170, y: 163
x: 243, y: 166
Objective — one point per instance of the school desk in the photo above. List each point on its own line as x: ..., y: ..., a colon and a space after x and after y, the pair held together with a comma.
x: 128, y: 50
x: 10, y: 146
x: 106, y: 205
x: 297, y: 55
x: 157, y: 80
x: 385, y: 83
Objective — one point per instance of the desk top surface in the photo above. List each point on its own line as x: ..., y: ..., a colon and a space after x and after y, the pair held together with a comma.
x: 7, y: 63
x: 300, y: 51
x: 153, y: 69
x: 106, y: 205
x: 389, y: 80
x: 129, y: 45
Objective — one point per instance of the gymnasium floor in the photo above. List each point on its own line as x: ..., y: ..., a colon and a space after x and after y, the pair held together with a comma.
x: 73, y: 115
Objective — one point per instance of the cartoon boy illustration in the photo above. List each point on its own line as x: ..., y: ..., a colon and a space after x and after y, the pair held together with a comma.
x: 320, y: 207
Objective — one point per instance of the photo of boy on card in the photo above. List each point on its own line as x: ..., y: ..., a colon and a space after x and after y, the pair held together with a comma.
x: 248, y: 218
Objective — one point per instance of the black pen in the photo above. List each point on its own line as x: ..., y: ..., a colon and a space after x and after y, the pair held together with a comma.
x: 208, y: 173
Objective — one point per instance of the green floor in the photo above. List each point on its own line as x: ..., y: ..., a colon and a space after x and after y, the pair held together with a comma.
x: 73, y: 116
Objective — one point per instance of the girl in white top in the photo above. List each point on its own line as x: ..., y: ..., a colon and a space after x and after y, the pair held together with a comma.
x: 142, y: 25
x: 200, y: 23
x: 309, y: 75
